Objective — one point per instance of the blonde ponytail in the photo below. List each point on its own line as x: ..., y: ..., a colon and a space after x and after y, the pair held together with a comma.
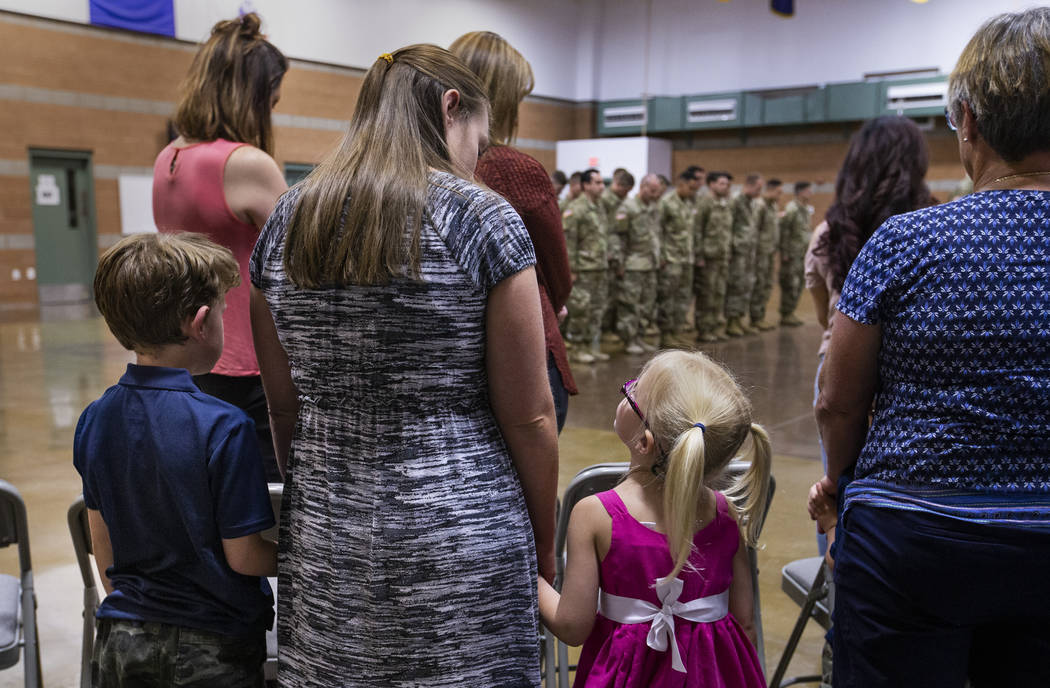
x: 748, y: 494
x: 684, y: 493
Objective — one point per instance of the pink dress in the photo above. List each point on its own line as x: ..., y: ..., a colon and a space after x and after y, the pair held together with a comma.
x: 715, y: 652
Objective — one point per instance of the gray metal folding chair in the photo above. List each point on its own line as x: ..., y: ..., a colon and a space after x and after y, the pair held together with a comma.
x: 18, y: 632
x: 591, y: 480
x: 81, y: 533
x: 77, y: 519
x: 270, y: 668
x: 805, y: 582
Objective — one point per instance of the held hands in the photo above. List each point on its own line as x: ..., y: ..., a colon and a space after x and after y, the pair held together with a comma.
x: 822, y: 506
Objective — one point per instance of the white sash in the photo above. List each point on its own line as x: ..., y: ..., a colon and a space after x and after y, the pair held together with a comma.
x: 628, y: 610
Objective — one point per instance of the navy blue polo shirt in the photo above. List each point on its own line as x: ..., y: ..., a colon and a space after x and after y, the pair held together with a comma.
x: 173, y: 471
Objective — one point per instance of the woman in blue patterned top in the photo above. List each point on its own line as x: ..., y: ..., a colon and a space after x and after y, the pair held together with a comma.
x: 943, y: 557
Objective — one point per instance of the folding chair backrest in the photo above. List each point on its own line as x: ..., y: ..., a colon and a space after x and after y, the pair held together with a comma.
x: 591, y: 480
x: 77, y: 518
x: 13, y: 524
x: 270, y: 667
x: 14, y: 530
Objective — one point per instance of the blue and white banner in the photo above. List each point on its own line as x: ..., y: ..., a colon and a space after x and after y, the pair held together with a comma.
x: 147, y: 16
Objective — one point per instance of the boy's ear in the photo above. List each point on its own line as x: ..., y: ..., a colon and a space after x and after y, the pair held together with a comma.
x: 195, y: 325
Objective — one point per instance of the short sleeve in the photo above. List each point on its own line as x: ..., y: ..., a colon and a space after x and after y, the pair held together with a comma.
x: 484, y: 234
x: 238, y: 484
x: 80, y: 460
x: 880, y: 273
x: 271, y: 237
x: 506, y: 247
x: 816, y: 266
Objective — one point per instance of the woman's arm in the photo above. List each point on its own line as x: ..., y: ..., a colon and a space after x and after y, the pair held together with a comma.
x: 516, y: 362
x: 821, y: 297
x: 847, y: 389
x: 742, y: 593
x: 570, y: 616
x: 281, y: 394
x: 252, y: 183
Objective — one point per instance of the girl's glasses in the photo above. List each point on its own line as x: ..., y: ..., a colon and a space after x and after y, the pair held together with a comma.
x: 625, y: 390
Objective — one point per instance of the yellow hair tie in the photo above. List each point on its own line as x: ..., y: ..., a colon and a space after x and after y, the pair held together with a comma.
x: 388, y: 57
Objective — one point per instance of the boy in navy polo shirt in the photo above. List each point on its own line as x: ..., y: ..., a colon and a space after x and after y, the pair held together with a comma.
x: 173, y: 480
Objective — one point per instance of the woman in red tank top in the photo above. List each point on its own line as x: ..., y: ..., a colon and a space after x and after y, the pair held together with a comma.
x: 218, y: 178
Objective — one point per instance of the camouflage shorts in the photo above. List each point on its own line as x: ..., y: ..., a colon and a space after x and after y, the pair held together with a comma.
x: 135, y: 653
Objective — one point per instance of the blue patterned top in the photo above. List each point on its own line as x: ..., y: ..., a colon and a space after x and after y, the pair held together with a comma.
x: 962, y: 414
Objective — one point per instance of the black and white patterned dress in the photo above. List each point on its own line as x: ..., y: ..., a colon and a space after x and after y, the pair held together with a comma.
x: 407, y: 556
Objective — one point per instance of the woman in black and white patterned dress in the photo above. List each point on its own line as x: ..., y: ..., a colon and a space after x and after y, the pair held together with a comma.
x: 401, y: 344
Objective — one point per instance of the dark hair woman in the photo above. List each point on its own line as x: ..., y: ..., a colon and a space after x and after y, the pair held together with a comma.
x: 944, y: 538
x: 218, y: 178
x: 884, y: 174
x: 399, y: 334
x: 521, y: 179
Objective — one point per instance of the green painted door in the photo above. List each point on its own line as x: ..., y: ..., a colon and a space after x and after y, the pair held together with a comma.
x: 62, y: 193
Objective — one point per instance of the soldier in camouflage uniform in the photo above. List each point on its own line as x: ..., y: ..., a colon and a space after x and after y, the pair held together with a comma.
x: 574, y: 191
x: 587, y: 241
x: 675, y: 276
x: 741, y: 278
x: 610, y: 200
x: 713, y: 234
x: 794, y: 239
x: 637, y: 226
x: 766, y: 221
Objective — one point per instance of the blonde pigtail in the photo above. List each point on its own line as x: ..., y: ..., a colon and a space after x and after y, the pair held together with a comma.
x: 684, y: 494
x: 748, y: 495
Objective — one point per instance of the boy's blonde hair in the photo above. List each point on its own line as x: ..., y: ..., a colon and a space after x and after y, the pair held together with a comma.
x: 147, y: 285
x: 683, y: 388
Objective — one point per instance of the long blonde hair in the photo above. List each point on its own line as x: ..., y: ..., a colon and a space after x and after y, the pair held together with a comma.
x: 683, y: 388
x: 505, y: 74
x: 228, y: 92
x: 360, y: 212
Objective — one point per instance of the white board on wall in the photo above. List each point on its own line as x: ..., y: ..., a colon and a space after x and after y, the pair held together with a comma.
x: 136, y: 203
x: 639, y: 155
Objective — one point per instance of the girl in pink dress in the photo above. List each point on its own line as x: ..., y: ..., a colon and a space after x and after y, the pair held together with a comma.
x: 662, y: 556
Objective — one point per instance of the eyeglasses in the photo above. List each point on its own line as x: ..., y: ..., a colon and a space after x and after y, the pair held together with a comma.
x: 625, y: 390
x: 948, y: 119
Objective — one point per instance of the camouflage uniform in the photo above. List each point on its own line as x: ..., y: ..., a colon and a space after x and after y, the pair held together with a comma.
x: 130, y: 653
x: 765, y: 256
x: 587, y: 241
x: 637, y: 228
x: 713, y: 230
x: 675, y: 275
x: 794, y: 239
x: 740, y: 280
x: 609, y: 202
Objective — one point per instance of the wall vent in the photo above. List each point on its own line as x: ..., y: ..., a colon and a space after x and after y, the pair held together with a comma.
x: 711, y: 110
x: 624, y: 116
x: 908, y: 98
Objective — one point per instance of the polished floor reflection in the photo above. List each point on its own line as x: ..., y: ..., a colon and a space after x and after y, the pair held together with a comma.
x: 52, y: 366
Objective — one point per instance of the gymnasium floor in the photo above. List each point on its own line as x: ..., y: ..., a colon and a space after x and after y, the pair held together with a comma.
x: 52, y: 366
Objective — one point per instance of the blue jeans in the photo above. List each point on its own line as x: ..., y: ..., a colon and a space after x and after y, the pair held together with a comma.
x: 558, y: 391
x: 925, y: 600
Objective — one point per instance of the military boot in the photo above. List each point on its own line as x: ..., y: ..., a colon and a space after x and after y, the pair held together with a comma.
x: 580, y: 356
x: 597, y: 353
x: 762, y: 325
x: 790, y: 320
x: 634, y: 348
x: 733, y: 328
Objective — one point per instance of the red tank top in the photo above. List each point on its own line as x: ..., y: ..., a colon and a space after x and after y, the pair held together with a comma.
x: 188, y: 196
